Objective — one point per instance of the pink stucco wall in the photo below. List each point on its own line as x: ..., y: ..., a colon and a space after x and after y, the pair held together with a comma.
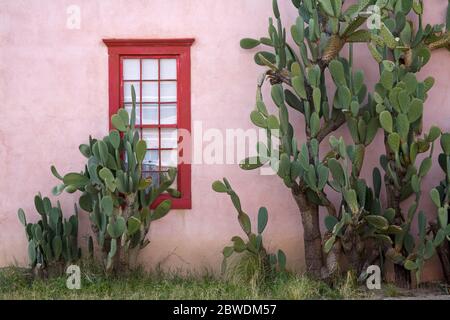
x: 54, y: 93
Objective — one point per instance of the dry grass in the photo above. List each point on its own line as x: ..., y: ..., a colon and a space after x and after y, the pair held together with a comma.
x: 16, y: 283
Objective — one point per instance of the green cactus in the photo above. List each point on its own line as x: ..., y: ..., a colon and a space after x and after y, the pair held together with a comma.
x: 52, y: 240
x: 297, y: 75
x: 361, y: 217
x: 430, y: 240
x: 441, y: 199
x: 398, y: 100
x: 300, y: 166
x: 254, y: 243
x: 119, y: 199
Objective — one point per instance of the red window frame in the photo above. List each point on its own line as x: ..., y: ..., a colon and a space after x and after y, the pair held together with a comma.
x: 158, y: 48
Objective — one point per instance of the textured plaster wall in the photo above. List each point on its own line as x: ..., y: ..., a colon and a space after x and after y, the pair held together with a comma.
x: 54, y: 93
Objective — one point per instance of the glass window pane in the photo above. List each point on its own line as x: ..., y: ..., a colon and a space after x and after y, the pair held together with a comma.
x: 150, y: 92
x: 149, y: 114
x: 168, y: 159
x: 128, y: 107
x: 151, y: 138
x: 169, y: 138
x: 150, y: 69
x: 127, y: 91
x: 169, y: 91
x: 151, y: 161
x: 131, y: 69
x: 154, y: 176
x: 168, y: 113
x: 168, y: 69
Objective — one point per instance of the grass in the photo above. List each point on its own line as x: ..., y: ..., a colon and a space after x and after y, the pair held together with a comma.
x: 17, y: 284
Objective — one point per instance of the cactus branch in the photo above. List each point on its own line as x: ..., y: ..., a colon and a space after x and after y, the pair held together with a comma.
x: 334, y: 46
x: 441, y: 43
x: 331, y: 126
x: 328, y: 204
x: 279, y: 76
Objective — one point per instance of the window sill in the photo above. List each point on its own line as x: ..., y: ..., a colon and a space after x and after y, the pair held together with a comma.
x: 177, y: 203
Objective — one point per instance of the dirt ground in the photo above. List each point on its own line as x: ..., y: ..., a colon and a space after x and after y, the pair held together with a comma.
x: 430, y: 291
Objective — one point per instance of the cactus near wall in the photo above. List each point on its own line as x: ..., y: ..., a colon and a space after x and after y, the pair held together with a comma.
x: 297, y: 75
x: 363, y: 226
x: 52, y: 240
x: 254, y: 244
x: 441, y: 199
x: 120, y: 201
x: 402, y: 49
x: 298, y: 82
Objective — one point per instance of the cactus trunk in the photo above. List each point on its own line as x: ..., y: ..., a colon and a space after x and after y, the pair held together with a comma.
x: 393, y: 200
x: 332, y: 50
x: 355, y: 261
x: 444, y: 256
x: 443, y: 252
x: 311, y: 234
x: 402, y: 277
x: 121, y: 262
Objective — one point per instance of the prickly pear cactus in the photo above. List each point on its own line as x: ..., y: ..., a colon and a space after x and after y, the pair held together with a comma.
x: 441, y: 194
x: 441, y: 199
x: 412, y: 254
x: 363, y: 226
x: 401, y: 51
x: 254, y: 243
x: 119, y: 200
x: 397, y: 35
x: 297, y: 76
x: 52, y: 241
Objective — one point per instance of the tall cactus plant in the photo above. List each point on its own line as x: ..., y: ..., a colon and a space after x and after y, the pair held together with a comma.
x: 53, y: 240
x: 117, y: 197
x: 441, y: 199
x: 399, y: 97
x: 298, y: 81
x: 297, y: 75
x: 363, y: 226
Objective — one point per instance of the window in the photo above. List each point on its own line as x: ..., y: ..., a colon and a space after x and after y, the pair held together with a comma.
x: 159, y: 70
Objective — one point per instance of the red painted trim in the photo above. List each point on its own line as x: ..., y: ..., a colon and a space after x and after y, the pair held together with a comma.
x: 157, y: 48
x: 148, y: 42
x: 159, y: 112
